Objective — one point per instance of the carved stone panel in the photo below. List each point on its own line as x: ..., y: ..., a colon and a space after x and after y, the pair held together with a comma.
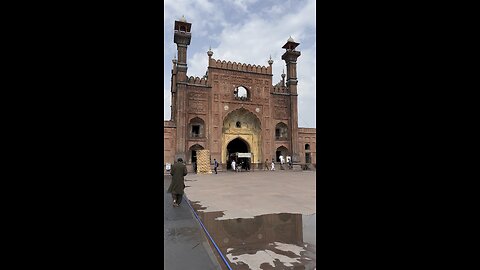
x: 197, y: 96
x: 197, y: 107
x: 280, y: 108
x: 281, y: 112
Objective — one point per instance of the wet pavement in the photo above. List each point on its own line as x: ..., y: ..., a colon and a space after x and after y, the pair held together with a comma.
x: 185, y: 244
x: 272, y: 241
x: 275, y: 240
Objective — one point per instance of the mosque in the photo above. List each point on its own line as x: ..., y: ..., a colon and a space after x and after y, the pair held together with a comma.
x: 235, y: 111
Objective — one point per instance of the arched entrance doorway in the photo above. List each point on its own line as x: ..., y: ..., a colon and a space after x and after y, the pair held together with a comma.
x: 193, y: 153
x: 281, y: 151
x: 237, y: 145
x: 243, y: 124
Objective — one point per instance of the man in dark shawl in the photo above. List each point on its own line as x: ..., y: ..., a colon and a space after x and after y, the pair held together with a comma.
x: 178, y: 171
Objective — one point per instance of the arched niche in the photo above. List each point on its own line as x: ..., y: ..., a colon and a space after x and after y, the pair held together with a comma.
x: 192, y: 157
x: 196, y: 128
x: 281, y: 131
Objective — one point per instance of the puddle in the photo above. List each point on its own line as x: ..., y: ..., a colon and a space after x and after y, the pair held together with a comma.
x: 272, y: 241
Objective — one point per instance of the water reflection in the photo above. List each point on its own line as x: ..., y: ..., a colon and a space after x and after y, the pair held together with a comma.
x: 272, y: 241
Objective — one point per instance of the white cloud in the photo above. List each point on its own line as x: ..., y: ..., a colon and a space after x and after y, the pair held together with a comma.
x: 251, y: 40
x: 243, y: 4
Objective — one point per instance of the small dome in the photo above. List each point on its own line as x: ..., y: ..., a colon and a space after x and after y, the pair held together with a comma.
x: 290, y: 39
x: 183, y: 19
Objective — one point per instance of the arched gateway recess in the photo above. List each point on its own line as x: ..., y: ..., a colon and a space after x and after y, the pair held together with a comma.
x: 281, y: 151
x: 236, y: 146
x: 241, y: 133
x: 193, y: 153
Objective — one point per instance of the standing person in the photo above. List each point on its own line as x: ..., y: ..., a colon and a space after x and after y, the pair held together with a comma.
x: 233, y: 165
x: 273, y: 166
x: 178, y: 171
x: 266, y: 165
x: 215, y: 165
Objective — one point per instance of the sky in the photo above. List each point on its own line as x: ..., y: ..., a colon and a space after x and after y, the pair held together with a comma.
x: 246, y: 31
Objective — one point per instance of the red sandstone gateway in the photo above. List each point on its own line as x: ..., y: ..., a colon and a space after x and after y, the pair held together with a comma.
x: 235, y: 108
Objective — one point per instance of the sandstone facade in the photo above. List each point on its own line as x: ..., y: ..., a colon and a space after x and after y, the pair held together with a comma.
x: 235, y: 108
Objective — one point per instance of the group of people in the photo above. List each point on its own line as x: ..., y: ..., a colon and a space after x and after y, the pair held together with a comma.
x: 282, y: 162
x: 241, y: 165
x: 266, y: 168
x: 179, y: 170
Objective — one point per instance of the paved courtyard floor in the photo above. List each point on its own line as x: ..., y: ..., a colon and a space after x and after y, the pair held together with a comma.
x: 258, y: 220
x: 249, y: 194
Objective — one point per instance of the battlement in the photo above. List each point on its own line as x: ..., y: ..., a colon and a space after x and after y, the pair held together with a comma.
x: 279, y: 89
x: 240, y: 67
x: 307, y: 130
x: 168, y: 124
x: 197, y: 80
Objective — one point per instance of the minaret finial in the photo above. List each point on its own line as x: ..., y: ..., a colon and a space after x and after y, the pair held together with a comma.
x: 270, y: 62
x: 210, y: 53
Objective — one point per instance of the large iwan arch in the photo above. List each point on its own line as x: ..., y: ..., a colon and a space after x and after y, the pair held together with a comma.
x: 244, y: 126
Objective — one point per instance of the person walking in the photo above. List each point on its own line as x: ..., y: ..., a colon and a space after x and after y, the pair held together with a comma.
x: 178, y: 171
x: 273, y: 166
x: 215, y: 165
x: 233, y: 165
x: 265, y: 167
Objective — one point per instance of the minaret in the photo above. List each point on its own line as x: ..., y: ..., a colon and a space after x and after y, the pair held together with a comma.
x: 173, y: 89
x: 181, y: 37
x: 290, y: 56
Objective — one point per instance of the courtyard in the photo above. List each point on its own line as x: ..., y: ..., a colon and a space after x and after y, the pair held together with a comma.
x: 258, y: 220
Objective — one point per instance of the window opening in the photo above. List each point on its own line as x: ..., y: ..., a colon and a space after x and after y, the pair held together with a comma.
x: 195, y: 131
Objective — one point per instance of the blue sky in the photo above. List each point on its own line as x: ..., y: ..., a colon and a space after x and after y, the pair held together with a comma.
x: 246, y: 31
